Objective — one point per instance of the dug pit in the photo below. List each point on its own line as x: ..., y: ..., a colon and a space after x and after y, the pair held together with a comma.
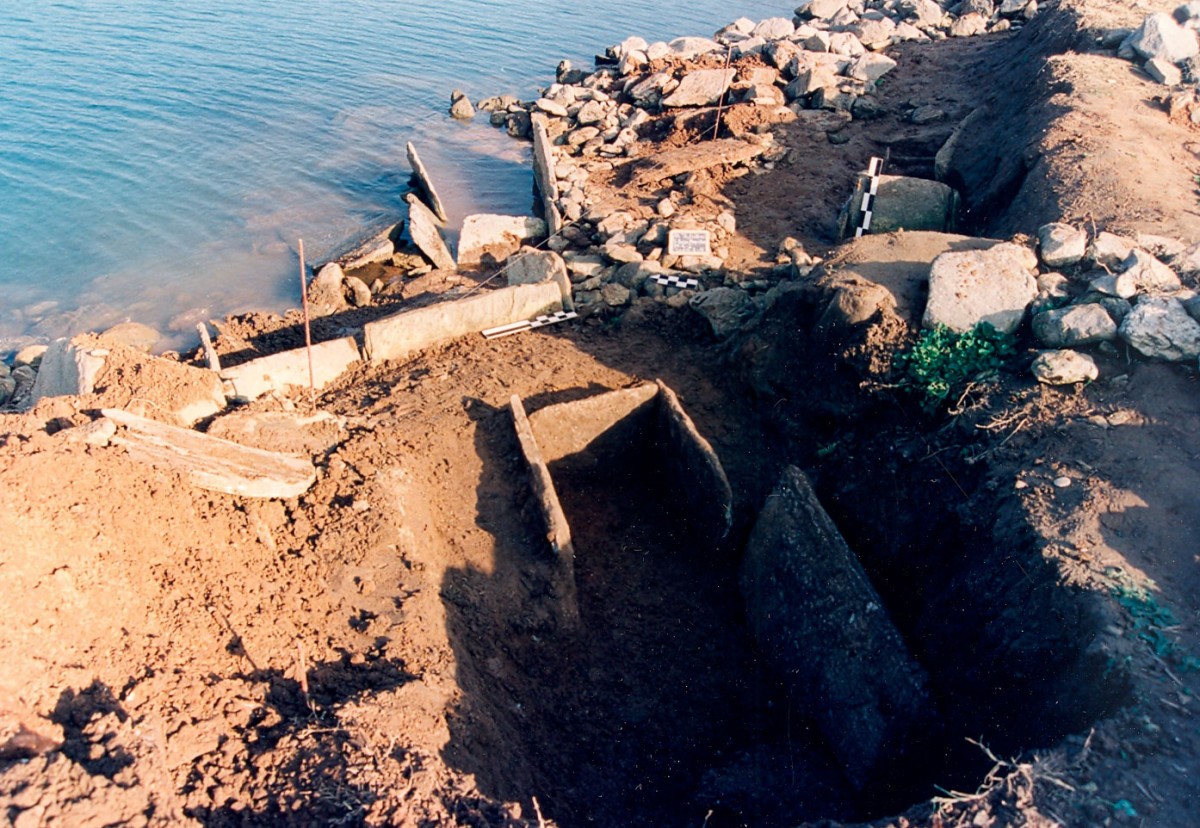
x: 657, y: 694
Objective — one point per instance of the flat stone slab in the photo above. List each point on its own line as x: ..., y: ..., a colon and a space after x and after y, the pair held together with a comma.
x: 211, y: 463
x: 569, y: 428
x: 68, y: 367
x: 279, y: 372
x: 694, y: 470
x: 994, y: 286
x: 404, y: 333
x: 702, y: 156
x: 286, y: 432
x: 819, y: 621
x: 376, y: 248
x: 423, y: 228
x: 495, y: 238
x: 425, y: 181
x: 903, y: 203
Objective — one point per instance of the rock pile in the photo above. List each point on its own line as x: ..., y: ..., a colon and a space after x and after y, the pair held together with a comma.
x: 1098, y: 291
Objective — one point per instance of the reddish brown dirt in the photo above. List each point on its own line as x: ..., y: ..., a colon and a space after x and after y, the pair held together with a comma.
x: 383, y: 650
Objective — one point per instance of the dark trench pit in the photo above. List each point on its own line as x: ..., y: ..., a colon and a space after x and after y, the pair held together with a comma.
x: 662, y: 709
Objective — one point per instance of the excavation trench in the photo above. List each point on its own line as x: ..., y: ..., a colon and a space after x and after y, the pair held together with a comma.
x: 658, y: 701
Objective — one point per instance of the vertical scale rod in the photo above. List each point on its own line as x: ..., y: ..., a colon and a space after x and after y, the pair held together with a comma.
x: 312, y: 384
x: 721, y: 100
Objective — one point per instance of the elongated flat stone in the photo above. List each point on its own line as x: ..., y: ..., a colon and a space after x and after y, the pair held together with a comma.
x: 211, y: 463
x: 694, y: 157
x: 424, y: 181
x: 278, y: 372
x: 402, y: 334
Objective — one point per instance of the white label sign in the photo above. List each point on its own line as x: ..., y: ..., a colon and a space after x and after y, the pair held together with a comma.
x: 689, y: 243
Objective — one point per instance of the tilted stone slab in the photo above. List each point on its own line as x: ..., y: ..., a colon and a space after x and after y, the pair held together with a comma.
x: 68, y: 368
x: 694, y: 470
x: 399, y: 335
x: 287, y: 369
x: 558, y: 531
x: 424, y: 181
x: 702, y: 156
x: 820, y: 623
x: 211, y: 463
x: 423, y: 228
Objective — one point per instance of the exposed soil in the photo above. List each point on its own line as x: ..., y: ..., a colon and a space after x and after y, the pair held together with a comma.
x: 384, y: 649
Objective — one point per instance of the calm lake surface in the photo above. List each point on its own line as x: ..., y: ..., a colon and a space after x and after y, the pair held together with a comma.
x: 159, y: 161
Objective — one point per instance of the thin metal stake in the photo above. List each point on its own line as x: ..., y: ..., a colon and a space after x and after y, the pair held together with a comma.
x: 312, y: 383
x: 721, y: 100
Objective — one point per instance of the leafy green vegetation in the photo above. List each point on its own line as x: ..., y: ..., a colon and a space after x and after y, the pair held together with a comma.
x: 943, y: 361
x: 1151, y: 620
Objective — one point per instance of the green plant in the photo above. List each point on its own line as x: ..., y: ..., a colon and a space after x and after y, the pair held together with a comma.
x: 942, y: 360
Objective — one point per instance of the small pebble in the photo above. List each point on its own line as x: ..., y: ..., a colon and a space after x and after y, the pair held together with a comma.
x: 1062, y: 482
x: 1020, y: 484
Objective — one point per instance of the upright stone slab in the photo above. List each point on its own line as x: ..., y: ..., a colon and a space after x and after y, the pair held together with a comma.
x: 694, y: 470
x: 423, y: 228
x: 68, y: 368
x: 210, y: 463
x: 424, y: 181
x: 404, y: 333
x: 903, y: 203
x: 558, y: 531
x: 820, y: 623
x: 543, y: 173
x: 565, y: 429
x: 278, y: 372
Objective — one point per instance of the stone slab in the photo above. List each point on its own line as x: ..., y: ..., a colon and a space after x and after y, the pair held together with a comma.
x: 425, y: 181
x: 404, y: 333
x: 702, y: 156
x: 994, y: 286
x: 558, y: 531
x: 379, y: 247
x: 820, y: 623
x: 569, y: 428
x: 287, y: 432
x: 68, y: 368
x: 495, y: 238
x: 694, y: 470
x: 423, y: 229
x: 287, y: 369
x: 543, y: 172
x: 903, y: 203
x: 210, y: 463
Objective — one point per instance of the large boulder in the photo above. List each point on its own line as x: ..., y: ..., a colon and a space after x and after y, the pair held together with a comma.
x: 1159, y: 327
x: 1074, y: 325
x: 1160, y: 36
x: 819, y: 622
x: 726, y: 309
x: 994, y: 286
x: 702, y: 87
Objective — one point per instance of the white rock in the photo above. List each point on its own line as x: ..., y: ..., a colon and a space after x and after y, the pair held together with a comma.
x: 993, y: 286
x: 1064, y: 368
x: 1061, y: 244
x: 326, y: 292
x: 551, y: 107
x: 499, y: 237
x: 629, y: 44
x: 1148, y: 274
x: 874, y: 34
x: 1160, y: 328
x: 690, y: 47
x: 1188, y: 261
x: 1063, y: 482
x: 1160, y: 36
x: 1074, y: 325
x: 1109, y: 250
x: 360, y: 293
x: 969, y: 25
x: 530, y: 266
x: 923, y: 12
x: 821, y: 9
x: 1165, y: 73
x: 774, y: 28
x: 870, y: 67
x: 702, y: 87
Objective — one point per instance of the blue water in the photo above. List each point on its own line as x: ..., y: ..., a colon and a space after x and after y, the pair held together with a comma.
x: 159, y: 160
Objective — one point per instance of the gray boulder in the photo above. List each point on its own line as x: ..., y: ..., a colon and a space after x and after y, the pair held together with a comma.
x: 1061, y: 244
x: 774, y: 28
x: 1160, y: 36
x: 1148, y: 274
x: 703, y: 87
x: 460, y: 106
x: 1064, y: 368
x: 994, y: 286
x: 1075, y: 325
x: 726, y: 309
x: 327, y: 292
x: 1159, y: 327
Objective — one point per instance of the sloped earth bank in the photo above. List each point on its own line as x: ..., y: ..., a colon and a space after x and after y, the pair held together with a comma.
x: 382, y: 650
